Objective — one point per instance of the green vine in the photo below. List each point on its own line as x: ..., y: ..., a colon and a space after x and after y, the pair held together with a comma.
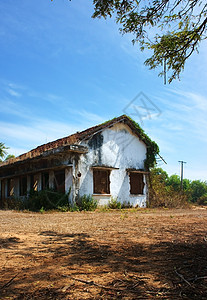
x: 152, y: 147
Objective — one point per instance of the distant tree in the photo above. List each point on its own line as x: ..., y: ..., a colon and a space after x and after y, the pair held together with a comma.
x: 196, y: 190
x: 3, y: 152
x: 9, y: 156
x: 173, y: 29
x: 165, y: 190
x: 186, y: 184
x: 174, y: 182
x: 160, y: 173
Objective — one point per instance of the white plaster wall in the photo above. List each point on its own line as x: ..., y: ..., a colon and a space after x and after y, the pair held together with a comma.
x: 86, y: 179
x: 121, y: 149
x: 69, y: 182
x: 102, y: 199
x: 68, y: 179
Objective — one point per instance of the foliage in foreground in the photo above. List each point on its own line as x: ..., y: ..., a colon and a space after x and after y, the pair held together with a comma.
x: 115, y: 204
x: 41, y: 201
x: 3, y: 153
x: 86, y: 202
x: 165, y: 191
x: 173, y: 30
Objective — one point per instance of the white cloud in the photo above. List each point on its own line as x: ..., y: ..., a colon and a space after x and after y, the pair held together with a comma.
x: 40, y: 131
x: 90, y: 116
x: 34, y: 134
x: 186, y: 113
x: 10, y: 107
x: 34, y: 130
x: 49, y: 97
x: 13, y: 93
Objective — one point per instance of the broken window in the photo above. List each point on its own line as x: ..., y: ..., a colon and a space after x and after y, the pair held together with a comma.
x: 136, y: 183
x: 23, y: 186
x: 45, y: 181
x: 59, y: 181
x: 101, y: 182
x: 10, y: 187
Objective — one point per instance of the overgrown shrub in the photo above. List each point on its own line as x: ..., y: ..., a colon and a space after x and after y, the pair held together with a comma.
x: 202, y: 200
x: 196, y: 190
x: 170, y: 199
x: 166, y: 190
x: 114, y: 203
x: 14, y: 203
x: 126, y: 205
x: 38, y: 200
x: 46, y: 199
x: 163, y: 195
x: 87, y: 202
x: 41, y: 201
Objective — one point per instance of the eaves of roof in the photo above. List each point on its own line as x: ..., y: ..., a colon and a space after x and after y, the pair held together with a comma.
x: 72, y: 142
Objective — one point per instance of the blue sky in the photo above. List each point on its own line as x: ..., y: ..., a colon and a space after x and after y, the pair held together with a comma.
x: 62, y: 71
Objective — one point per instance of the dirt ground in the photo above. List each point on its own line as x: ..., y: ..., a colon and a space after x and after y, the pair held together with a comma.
x: 132, y: 254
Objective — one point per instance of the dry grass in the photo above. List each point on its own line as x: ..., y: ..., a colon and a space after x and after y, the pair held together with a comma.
x: 131, y: 254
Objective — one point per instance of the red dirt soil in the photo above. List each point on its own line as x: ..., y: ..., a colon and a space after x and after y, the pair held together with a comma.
x: 131, y: 254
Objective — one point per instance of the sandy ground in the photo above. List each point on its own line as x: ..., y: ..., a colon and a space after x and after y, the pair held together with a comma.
x: 132, y: 254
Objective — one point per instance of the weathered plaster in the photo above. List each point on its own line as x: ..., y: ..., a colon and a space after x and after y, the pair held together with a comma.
x: 116, y: 147
x: 119, y: 148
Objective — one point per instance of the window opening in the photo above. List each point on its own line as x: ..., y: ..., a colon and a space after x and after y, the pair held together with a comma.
x: 23, y: 186
x: 136, y: 183
x: 101, y: 182
x: 59, y: 181
x: 45, y: 181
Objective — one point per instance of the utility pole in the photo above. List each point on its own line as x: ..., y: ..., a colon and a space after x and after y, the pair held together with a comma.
x: 181, y: 175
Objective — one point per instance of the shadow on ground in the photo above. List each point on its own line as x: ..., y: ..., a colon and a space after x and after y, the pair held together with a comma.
x: 9, y: 242
x: 75, y: 266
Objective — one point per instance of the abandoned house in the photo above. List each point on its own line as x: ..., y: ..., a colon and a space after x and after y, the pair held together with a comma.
x: 109, y: 160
